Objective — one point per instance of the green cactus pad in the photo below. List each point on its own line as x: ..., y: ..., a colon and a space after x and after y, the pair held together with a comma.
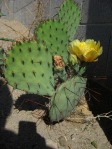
x: 28, y: 67
x: 52, y: 32
x: 69, y: 14
x: 66, y: 98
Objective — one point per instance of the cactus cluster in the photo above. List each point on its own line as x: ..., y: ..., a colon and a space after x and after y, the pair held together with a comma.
x: 29, y: 65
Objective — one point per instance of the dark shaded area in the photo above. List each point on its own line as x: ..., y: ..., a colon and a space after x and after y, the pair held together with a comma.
x: 5, y: 103
x: 31, y: 102
x: 48, y: 121
x: 100, y: 11
x: 106, y: 83
x: 96, y: 23
x: 27, y: 137
x: 98, y: 33
x: 99, y: 100
x: 98, y: 27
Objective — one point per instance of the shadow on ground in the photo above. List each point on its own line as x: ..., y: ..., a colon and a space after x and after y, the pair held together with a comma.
x: 100, y: 102
x: 31, y: 102
x: 27, y: 137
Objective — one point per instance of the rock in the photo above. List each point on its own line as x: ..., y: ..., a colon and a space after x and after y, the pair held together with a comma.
x: 52, y: 144
x: 62, y: 141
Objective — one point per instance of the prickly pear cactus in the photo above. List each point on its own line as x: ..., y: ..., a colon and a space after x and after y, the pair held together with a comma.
x: 69, y: 14
x: 66, y: 97
x: 28, y: 67
x: 53, y: 33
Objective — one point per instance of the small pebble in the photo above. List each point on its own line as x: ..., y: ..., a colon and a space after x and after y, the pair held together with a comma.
x: 51, y: 144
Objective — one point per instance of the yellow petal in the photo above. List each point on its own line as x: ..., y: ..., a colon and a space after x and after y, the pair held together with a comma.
x: 97, y: 46
x: 90, y: 56
x: 72, y: 45
x: 100, y: 51
x: 75, y: 49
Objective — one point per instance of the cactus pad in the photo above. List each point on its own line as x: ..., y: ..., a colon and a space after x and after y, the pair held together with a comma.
x: 52, y: 32
x: 69, y: 14
x: 28, y: 67
x: 66, y: 98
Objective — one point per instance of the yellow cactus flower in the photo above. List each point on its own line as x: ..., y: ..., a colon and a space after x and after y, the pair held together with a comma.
x: 87, y: 51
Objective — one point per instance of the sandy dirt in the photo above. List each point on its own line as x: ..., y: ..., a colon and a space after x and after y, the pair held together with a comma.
x: 22, y: 121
